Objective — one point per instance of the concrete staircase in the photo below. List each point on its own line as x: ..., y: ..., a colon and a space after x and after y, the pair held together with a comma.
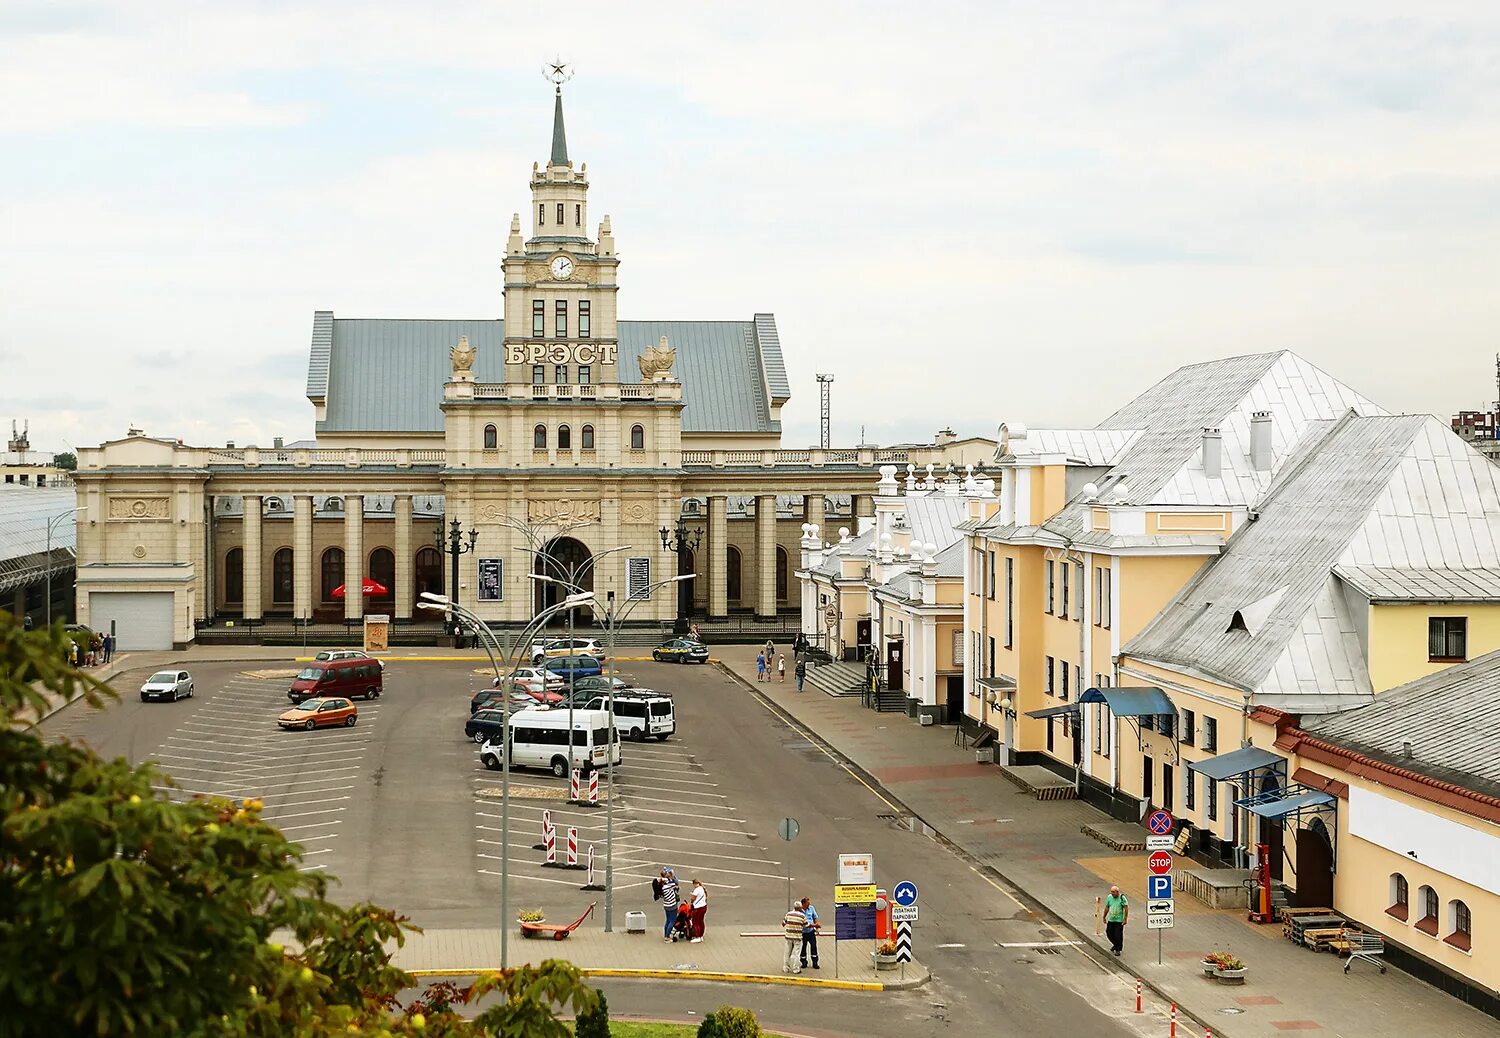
x: 889, y: 702
x: 838, y: 679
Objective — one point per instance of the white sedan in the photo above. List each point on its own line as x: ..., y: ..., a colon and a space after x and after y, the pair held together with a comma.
x: 170, y: 685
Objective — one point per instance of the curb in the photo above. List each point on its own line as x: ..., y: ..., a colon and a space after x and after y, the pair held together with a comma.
x: 726, y: 978
x: 1086, y: 942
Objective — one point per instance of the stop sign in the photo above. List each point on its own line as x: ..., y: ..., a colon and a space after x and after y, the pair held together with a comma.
x: 1160, y: 863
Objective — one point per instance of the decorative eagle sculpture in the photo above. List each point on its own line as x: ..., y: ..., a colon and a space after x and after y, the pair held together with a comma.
x: 462, y: 355
x: 656, y: 363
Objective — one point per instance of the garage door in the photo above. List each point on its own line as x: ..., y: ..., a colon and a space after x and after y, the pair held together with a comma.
x: 142, y: 619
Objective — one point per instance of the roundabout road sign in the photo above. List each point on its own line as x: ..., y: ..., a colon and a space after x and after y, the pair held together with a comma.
x: 905, y: 893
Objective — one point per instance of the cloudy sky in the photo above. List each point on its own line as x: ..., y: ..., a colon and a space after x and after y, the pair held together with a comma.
x: 967, y: 212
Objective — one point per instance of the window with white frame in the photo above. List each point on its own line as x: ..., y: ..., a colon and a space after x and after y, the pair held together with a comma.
x: 1051, y: 574
x: 1063, y: 610
x: 989, y: 578
x: 1062, y: 684
x: 1051, y: 690
x: 1010, y: 601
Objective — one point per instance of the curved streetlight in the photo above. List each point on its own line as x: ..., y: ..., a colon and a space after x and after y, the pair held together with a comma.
x: 444, y: 604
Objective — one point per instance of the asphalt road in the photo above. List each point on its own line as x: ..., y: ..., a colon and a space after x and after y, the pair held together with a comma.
x: 395, y: 809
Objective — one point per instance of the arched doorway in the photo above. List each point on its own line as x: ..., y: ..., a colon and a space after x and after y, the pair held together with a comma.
x: 427, y: 575
x: 565, y: 560
x: 687, y: 565
x: 234, y: 577
x: 383, y: 571
x: 1314, y: 865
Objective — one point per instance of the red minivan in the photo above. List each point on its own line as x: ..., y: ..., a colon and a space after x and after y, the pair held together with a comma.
x: 354, y: 678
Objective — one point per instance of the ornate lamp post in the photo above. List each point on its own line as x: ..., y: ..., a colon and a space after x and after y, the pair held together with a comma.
x: 680, y: 541
x: 455, y: 546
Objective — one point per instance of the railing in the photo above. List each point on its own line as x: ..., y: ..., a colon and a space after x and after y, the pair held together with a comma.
x: 348, y: 457
x: 816, y: 457
x: 697, y: 457
x: 400, y: 457
x: 563, y: 391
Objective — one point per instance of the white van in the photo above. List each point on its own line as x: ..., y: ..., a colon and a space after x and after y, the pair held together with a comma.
x: 639, y: 713
x: 539, y: 739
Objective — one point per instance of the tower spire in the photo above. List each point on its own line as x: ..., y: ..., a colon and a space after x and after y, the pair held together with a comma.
x: 559, y: 135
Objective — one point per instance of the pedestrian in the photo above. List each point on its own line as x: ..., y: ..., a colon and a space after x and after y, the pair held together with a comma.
x: 1116, y: 915
x: 760, y: 666
x: 793, y: 922
x: 800, y: 671
x: 73, y: 653
x: 770, y: 653
x: 810, y: 928
x: 800, y: 645
x: 699, y: 905
x: 669, y: 900
x: 109, y: 647
x: 781, y: 668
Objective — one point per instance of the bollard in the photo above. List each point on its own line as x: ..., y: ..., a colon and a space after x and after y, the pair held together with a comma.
x: 594, y: 789
x: 591, y: 883
x: 572, y: 847
x: 549, y: 837
x: 1137, y: 995
x: 1174, y: 1021
x: 573, y: 785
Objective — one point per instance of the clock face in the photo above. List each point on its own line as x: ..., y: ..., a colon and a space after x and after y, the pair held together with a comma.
x: 562, y: 268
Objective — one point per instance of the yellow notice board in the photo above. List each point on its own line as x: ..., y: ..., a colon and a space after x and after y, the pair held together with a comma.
x: 854, y: 895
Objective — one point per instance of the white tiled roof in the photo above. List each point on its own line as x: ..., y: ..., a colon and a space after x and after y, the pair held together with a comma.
x: 1086, y: 446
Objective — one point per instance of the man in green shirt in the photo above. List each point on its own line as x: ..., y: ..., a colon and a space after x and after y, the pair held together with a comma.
x: 1116, y: 915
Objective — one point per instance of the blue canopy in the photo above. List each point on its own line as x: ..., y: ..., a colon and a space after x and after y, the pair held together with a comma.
x: 1054, y: 711
x: 1296, y: 802
x: 1235, y: 763
x: 1131, y: 702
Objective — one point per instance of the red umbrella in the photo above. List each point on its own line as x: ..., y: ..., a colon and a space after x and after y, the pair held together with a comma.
x: 372, y: 589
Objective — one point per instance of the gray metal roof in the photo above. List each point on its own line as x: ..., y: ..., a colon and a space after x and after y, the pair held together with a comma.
x: 1451, y: 719
x: 933, y: 517
x: 381, y: 375
x: 1423, y: 583
x: 559, y: 135
x: 1283, y: 563
x: 24, y: 512
x: 771, y: 359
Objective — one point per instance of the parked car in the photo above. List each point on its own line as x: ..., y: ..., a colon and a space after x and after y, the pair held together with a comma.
x: 537, y: 678
x: 551, y: 648
x: 347, y: 654
x: 540, y: 739
x: 639, y: 714
x: 680, y: 650
x: 485, y: 724
x: 170, y: 685
x: 522, y: 694
x: 574, y: 666
x: 320, y: 713
x: 350, y: 676
x: 494, y: 698
x: 599, y: 684
x: 580, y: 695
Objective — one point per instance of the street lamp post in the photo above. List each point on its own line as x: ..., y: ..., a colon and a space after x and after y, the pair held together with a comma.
x: 680, y: 541
x: 52, y: 525
x: 454, y: 545
x: 449, y: 607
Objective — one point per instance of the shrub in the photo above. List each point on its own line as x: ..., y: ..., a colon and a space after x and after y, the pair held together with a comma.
x: 593, y: 1023
x: 734, y: 1022
x: 710, y: 1028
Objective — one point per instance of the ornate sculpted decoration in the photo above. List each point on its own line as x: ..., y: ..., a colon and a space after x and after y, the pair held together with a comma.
x: 139, y: 551
x: 636, y: 512
x: 656, y: 363
x: 462, y: 356
x: 536, y: 272
x: 141, y: 509
x: 562, y: 510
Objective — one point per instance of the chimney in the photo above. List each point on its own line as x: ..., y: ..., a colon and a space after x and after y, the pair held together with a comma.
x: 1406, y: 749
x: 277, y: 442
x: 229, y: 445
x: 944, y: 437
x: 1260, y: 441
x: 1213, y: 453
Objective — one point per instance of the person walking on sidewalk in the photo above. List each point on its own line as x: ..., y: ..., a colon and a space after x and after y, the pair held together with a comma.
x: 1116, y: 915
x: 794, y: 921
x: 109, y: 647
x: 698, y: 902
x: 669, y: 899
x: 760, y: 666
x: 810, y: 928
x: 800, y: 672
x: 770, y: 655
x: 781, y: 668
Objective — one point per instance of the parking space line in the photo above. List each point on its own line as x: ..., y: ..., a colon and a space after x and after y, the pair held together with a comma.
x: 310, y: 825
x: 324, y: 850
x: 259, y: 763
x: 632, y: 766
x: 702, y: 854
x: 718, y: 871
x: 310, y: 868
x: 701, y: 828
x: 307, y: 814
x: 672, y: 783
x: 628, y: 796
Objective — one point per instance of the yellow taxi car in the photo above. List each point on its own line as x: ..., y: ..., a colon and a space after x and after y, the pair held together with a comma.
x: 320, y: 713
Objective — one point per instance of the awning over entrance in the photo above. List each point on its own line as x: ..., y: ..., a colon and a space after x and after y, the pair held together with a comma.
x: 1294, y: 803
x: 1054, y: 711
x: 1131, y: 702
x: 1235, y: 763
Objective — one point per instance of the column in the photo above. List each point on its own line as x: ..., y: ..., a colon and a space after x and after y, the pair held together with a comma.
x: 718, y: 556
x: 864, y: 505
x: 404, y: 559
x: 302, y: 557
x: 354, y: 556
x: 765, y: 555
x: 812, y: 511
x: 254, y: 572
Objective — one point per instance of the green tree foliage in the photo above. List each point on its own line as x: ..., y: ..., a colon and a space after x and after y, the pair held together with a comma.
x: 710, y: 1028
x: 66, y: 460
x: 123, y: 912
x: 735, y: 1022
x: 594, y: 1023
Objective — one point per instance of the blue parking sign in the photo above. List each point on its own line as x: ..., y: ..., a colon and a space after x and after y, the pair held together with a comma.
x: 1158, y: 887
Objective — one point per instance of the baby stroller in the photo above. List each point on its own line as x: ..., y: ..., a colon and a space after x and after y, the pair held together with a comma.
x: 682, y: 925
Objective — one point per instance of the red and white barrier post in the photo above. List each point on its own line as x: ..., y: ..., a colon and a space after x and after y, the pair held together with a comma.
x: 549, y: 837
x: 1174, y: 1021
x: 594, y: 789
x: 1138, y: 995
x: 572, y: 847
x: 573, y: 785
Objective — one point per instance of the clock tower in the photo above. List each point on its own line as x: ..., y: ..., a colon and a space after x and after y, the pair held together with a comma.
x: 560, y: 285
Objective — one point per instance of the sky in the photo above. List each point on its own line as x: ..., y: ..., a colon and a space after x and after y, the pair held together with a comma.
x: 968, y: 213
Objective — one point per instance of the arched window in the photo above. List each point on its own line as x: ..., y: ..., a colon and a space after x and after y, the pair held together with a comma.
x: 427, y: 574
x: 731, y: 572
x: 637, y: 438
x: 588, y: 437
x: 281, y: 577
x: 564, y: 438
x: 539, y: 438
x: 383, y: 571
x: 1400, y: 897
x: 1460, y: 925
x: 491, y: 438
x: 1427, y: 910
x: 332, y: 573
x: 234, y: 576
x: 783, y: 573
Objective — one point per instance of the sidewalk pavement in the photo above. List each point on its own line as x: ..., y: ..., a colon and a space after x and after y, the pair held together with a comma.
x: 1037, y: 846
x: 725, y: 955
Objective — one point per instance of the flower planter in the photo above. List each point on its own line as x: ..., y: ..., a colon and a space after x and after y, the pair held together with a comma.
x: 1224, y: 976
x: 884, y: 962
x: 1209, y: 967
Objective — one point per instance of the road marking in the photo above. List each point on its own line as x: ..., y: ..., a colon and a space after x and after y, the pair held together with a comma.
x: 325, y: 850
x: 1036, y: 944
x: 648, y: 862
x: 702, y: 828
x: 1018, y: 902
x: 311, y: 825
x: 306, y: 839
x: 309, y: 814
